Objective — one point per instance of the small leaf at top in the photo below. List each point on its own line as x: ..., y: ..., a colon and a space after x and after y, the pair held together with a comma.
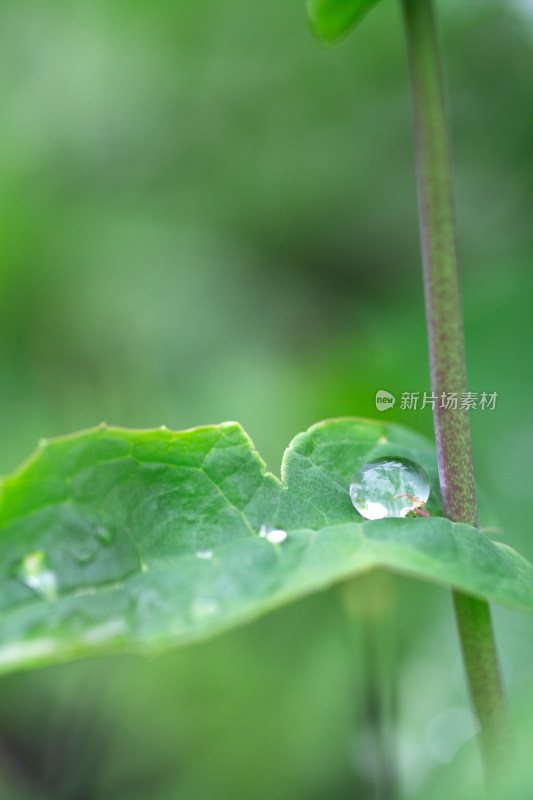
x: 333, y: 19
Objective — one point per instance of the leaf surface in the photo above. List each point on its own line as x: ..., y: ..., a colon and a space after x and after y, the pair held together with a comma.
x: 120, y: 540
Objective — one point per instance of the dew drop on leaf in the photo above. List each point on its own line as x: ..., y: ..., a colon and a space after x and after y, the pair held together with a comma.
x: 86, y: 548
x: 36, y: 574
x: 272, y: 534
x: 85, y: 552
x: 388, y: 487
x: 103, y: 534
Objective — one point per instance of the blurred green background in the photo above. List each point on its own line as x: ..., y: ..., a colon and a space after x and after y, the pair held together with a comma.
x: 205, y: 216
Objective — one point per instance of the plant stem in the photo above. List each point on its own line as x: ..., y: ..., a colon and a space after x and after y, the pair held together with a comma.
x: 368, y: 603
x: 447, y: 363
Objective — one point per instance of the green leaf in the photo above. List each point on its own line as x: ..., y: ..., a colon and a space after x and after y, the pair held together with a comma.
x: 120, y: 540
x: 332, y: 19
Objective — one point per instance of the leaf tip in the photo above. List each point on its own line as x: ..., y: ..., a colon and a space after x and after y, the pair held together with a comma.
x: 332, y: 21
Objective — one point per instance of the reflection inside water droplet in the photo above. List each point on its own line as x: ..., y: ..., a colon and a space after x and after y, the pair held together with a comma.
x: 272, y: 534
x: 36, y: 574
x: 206, y: 554
x: 388, y: 487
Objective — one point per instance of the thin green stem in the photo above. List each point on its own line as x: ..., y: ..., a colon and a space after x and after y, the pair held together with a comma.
x: 447, y: 362
x: 368, y: 604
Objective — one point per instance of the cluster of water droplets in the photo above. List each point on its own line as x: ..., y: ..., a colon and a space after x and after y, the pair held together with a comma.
x: 35, y: 572
x: 389, y: 487
x: 86, y: 550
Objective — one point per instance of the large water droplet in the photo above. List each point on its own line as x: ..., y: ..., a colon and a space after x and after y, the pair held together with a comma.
x: 37, y: 575
x: 388, y: 487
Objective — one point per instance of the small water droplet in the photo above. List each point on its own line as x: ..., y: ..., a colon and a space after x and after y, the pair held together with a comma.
x: 103, y: 534
x: 206, y: 554
x: 381, y: 487
x: 272, y: 534
x: 36, y: 574
x: 85, y: 552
